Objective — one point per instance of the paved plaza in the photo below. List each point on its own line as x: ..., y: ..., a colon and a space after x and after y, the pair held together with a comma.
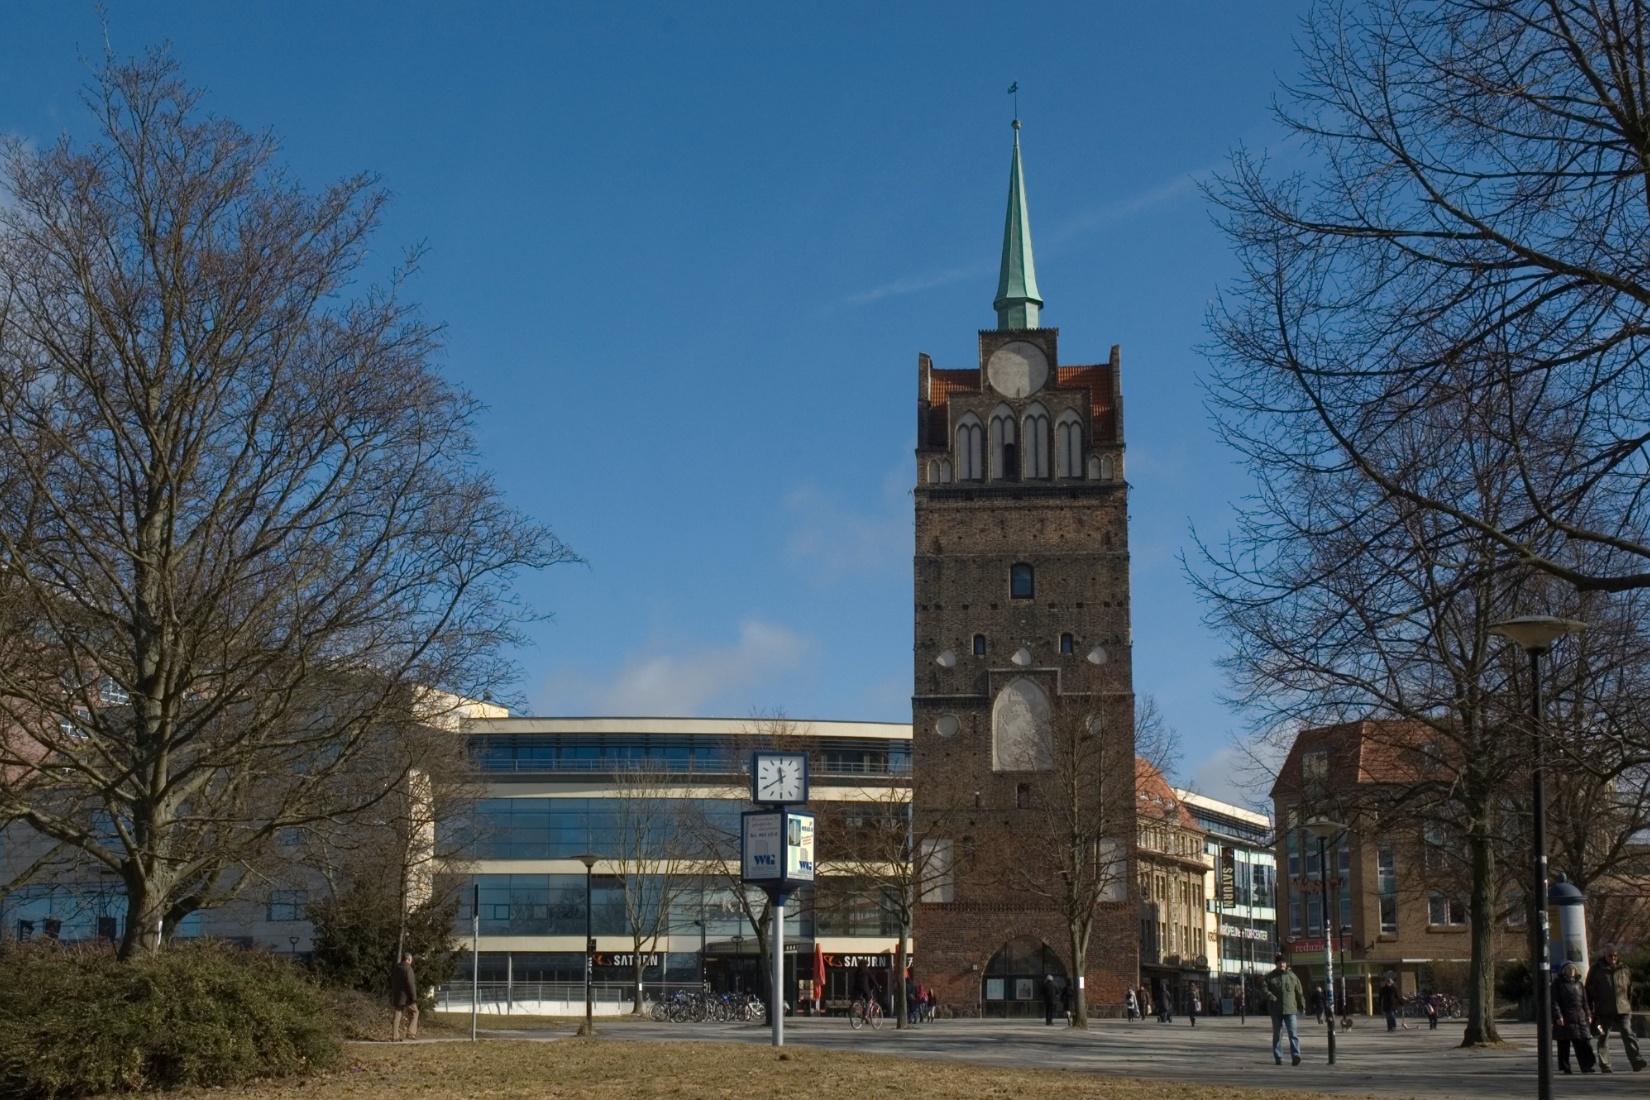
x: 1369, y: 1061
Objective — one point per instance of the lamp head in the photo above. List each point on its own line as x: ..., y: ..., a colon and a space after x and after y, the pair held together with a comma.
x: 588, y: 860
x: 1535, y: 633
x: 1323, y: 828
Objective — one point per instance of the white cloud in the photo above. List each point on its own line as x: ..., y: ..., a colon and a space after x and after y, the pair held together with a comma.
x: 1241, y: 773
x: 914, y: 284
x: 834, y: 541
x: 1170, y: 190
x: 682, y: 682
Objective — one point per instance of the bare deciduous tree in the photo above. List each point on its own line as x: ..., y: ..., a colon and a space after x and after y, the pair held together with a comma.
x: 1077, y: 857
x: 1471, y: 223
x: 239, y: 511
x: 1344, y: 601
x: 652, y: 860
x: 894, y: 860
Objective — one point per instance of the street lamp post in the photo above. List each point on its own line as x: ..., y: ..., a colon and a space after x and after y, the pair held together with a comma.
x: 1324, y: 830
x: 1535, y: 634
x: 589, y: 1028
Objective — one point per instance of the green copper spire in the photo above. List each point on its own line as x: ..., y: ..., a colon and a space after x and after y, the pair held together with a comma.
x: 1017, y: 303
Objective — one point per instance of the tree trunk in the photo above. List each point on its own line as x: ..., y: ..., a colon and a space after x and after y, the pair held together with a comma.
x: 901, y: 961
x: 145, y: 917
x: 1481, y: 970
x: 1079, y: 966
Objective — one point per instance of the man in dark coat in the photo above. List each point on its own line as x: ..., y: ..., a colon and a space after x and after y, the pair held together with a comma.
x: 1610, y: 991
x: 1284, y: 1000
x: 404, y: 998
x: 1389, y: 1001
x: 1572, y: 1019
x: 1051, y: 993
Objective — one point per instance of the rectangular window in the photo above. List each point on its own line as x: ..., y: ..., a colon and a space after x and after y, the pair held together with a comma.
x: 1315, y: 773
x: 1068, y: 645
x: 1445, y: 912
x: 1389, y: 916
x: 287, y: 905
x: 979, y: 645
x: 1386, y: 886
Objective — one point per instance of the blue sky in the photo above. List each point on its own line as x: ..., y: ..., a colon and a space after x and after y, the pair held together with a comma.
x: 687, y: 256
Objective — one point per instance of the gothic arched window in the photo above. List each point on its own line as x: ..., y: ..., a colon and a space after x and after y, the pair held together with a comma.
x: 1106, y: 470
x: 1068, y: 445
x: 939, y: 471
x: 970, y: 440
x: 1036, y: 441
x: 1005, y: 452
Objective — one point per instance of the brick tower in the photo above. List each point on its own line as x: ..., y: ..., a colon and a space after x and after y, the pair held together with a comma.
x: 1022, y: 631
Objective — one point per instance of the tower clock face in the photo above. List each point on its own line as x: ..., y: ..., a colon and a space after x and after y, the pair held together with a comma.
x: 779, y: 777
x: 1017, y: 369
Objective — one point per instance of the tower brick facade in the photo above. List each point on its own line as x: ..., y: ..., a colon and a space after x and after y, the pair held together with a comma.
x: 1022, y: 623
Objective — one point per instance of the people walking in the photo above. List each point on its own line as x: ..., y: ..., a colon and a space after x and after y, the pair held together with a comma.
x: 1609, y: 990
x: 1131, y: 1006
x: 1435, y: 1005
x: 1193, y: 1008
x: 1050, y: 993
x: 404, y: 998
x: 1389, y: 1001
x: 1284, y: 999
x: 1065, y: 1000
x: 1572, y: 1019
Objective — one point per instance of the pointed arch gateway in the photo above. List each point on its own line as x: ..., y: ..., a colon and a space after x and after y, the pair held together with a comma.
x: 1012, y: 984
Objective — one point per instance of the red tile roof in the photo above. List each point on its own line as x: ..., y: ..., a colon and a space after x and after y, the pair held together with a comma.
x: 1099, y: 383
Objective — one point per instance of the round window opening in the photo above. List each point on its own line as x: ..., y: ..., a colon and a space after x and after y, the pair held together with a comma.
x: 947, y: 726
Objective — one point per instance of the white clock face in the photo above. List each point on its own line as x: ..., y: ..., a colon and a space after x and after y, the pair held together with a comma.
x: 779, y: 777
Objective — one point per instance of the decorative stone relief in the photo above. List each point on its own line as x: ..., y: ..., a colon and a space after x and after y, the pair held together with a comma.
x: 1022, y: 728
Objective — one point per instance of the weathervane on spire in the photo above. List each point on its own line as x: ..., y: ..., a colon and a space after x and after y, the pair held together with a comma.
x: 1014, y: 90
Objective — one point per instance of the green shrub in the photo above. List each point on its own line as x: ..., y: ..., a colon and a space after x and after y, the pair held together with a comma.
x: 356, y: 936
x: 74, y: 1022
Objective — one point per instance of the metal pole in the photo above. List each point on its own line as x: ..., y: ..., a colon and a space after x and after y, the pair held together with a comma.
x: 1543, y: 979
x: 776, y: 1010
x: 475, y: 956
x: 1328, y: 951
x: 589, y: 956
x: 509, y: 983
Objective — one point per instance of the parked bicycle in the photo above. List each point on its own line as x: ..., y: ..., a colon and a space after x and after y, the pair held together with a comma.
x: 686, y: 1005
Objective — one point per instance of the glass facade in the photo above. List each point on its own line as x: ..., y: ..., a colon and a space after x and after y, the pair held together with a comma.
x: 562, y: 828
x: 673, y: 753
x: 553, y: 905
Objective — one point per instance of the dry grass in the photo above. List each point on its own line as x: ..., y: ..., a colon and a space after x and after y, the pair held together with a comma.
x: 611, y: 1069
